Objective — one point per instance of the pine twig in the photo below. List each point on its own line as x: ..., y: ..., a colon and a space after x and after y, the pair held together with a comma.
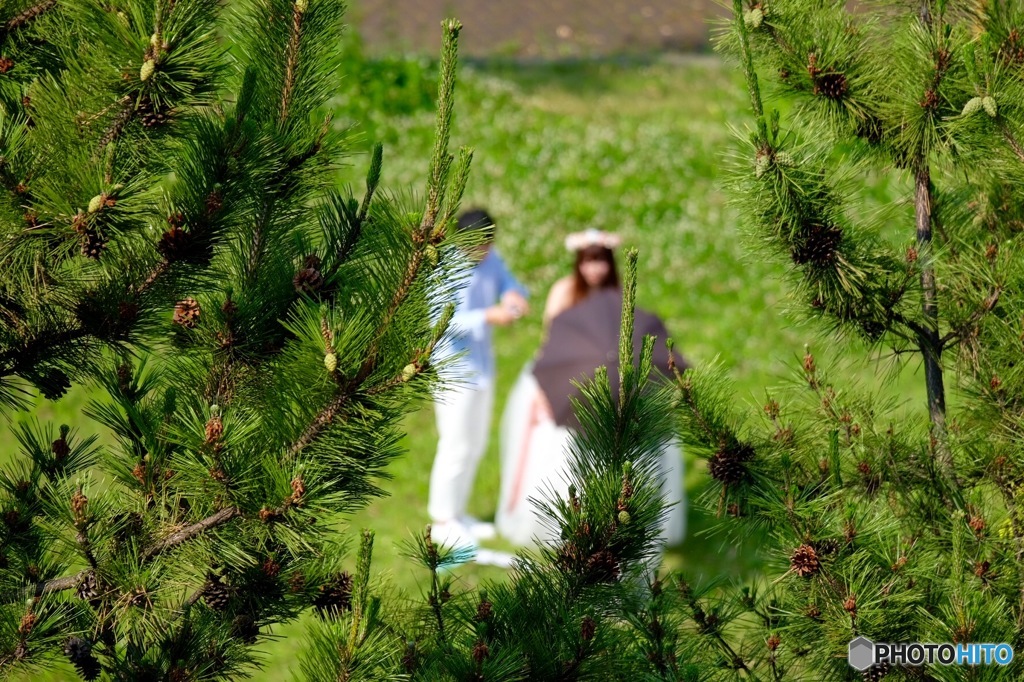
x: 49, y: 586
x: 69, y: 582
x: 748, y: 66
x: 1015, y: 145
x: 372, y: 182
x: 441, y: 160
x: 126, y: 110
x: 291, y: 61
x: 434, y: 596
x: 319, y: 423
x: 216, y: 519
x: 29, y: 14
x: 987, y: 305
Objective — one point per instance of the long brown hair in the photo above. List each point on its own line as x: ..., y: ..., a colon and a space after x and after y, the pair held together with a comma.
x: 580, y: 288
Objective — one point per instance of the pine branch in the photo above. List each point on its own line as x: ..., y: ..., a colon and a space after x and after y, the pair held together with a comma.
x: 21, y: 358
x: 1015, y: 145
x: 457, y: 189
x: 986, y: 307
x: 327, y: 415
x: 216, y: 519
x: 322, y: 420
x: 420, y: 235
x: 292, y: 58
x: 30, y: 14
x: 185, y: 534
x: 749, y: 73
x: 440, y: 159
x: 50, y: 586
x: 126, y: 109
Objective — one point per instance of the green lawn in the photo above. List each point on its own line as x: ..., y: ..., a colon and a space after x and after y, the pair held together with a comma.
x: 638, y: 149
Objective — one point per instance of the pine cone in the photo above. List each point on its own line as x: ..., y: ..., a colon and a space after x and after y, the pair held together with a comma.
x: 150, y: 114
x: 804, y: 561
x: 186, y: 313
x: 588, y: 626
x: 480, y: 651
x: 826, y: 547
x: 92, y: 243
x: 603, y: 566
x: 831, y: 85
x: 79, y: 652
x: 1012, y: 49
x: 754, y: 18
x: 89, y: 589
x: 215, y: 593
x: 53, y: 384
x: 174, y: 244
x: 214, y: 430
x: 335, y: 596
x: 214, y: 202
x: 972, y: 107
x: 484, y: 610
x: 727, y: 464
x: 989, y: 105
x: 817, y: 244
x: 930, y: 101
x: 271, y: 568
x: 60, y: 448
x: 309, y: 278
x: 245, y: 628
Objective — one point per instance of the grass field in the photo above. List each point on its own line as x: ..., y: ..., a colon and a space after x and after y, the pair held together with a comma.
x: 634, y: 148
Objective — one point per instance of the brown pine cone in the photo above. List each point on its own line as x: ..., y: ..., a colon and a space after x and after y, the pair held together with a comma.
x: 335, y: 596
x: 804, y: 561
x: 186, y: 313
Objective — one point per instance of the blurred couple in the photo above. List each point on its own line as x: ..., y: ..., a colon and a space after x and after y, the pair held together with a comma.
x: 581, y: 319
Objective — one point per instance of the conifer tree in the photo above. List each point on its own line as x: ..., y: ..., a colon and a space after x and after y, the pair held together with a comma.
x: 892, y: 520
x: 171, y: 235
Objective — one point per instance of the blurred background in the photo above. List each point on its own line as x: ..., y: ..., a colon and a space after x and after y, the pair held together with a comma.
x: 538, y: 28
x: 583, y: 113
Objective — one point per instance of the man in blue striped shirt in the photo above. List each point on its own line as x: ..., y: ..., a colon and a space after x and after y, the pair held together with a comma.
x: 491, y: 296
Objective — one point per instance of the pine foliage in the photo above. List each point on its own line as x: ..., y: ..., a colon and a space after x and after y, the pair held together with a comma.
x: 896, y: 522
x: 171, y: 234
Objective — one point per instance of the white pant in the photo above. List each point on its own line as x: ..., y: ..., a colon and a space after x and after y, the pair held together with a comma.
x: 463, y: 425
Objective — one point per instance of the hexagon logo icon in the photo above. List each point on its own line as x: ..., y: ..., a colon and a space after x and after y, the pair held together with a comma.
x: 861, y: 654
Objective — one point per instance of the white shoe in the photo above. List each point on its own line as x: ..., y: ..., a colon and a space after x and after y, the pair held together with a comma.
x: 481, y: 530
x: 453, y: 534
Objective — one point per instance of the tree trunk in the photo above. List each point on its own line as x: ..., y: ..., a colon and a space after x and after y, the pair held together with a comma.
x: 928, y: 336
